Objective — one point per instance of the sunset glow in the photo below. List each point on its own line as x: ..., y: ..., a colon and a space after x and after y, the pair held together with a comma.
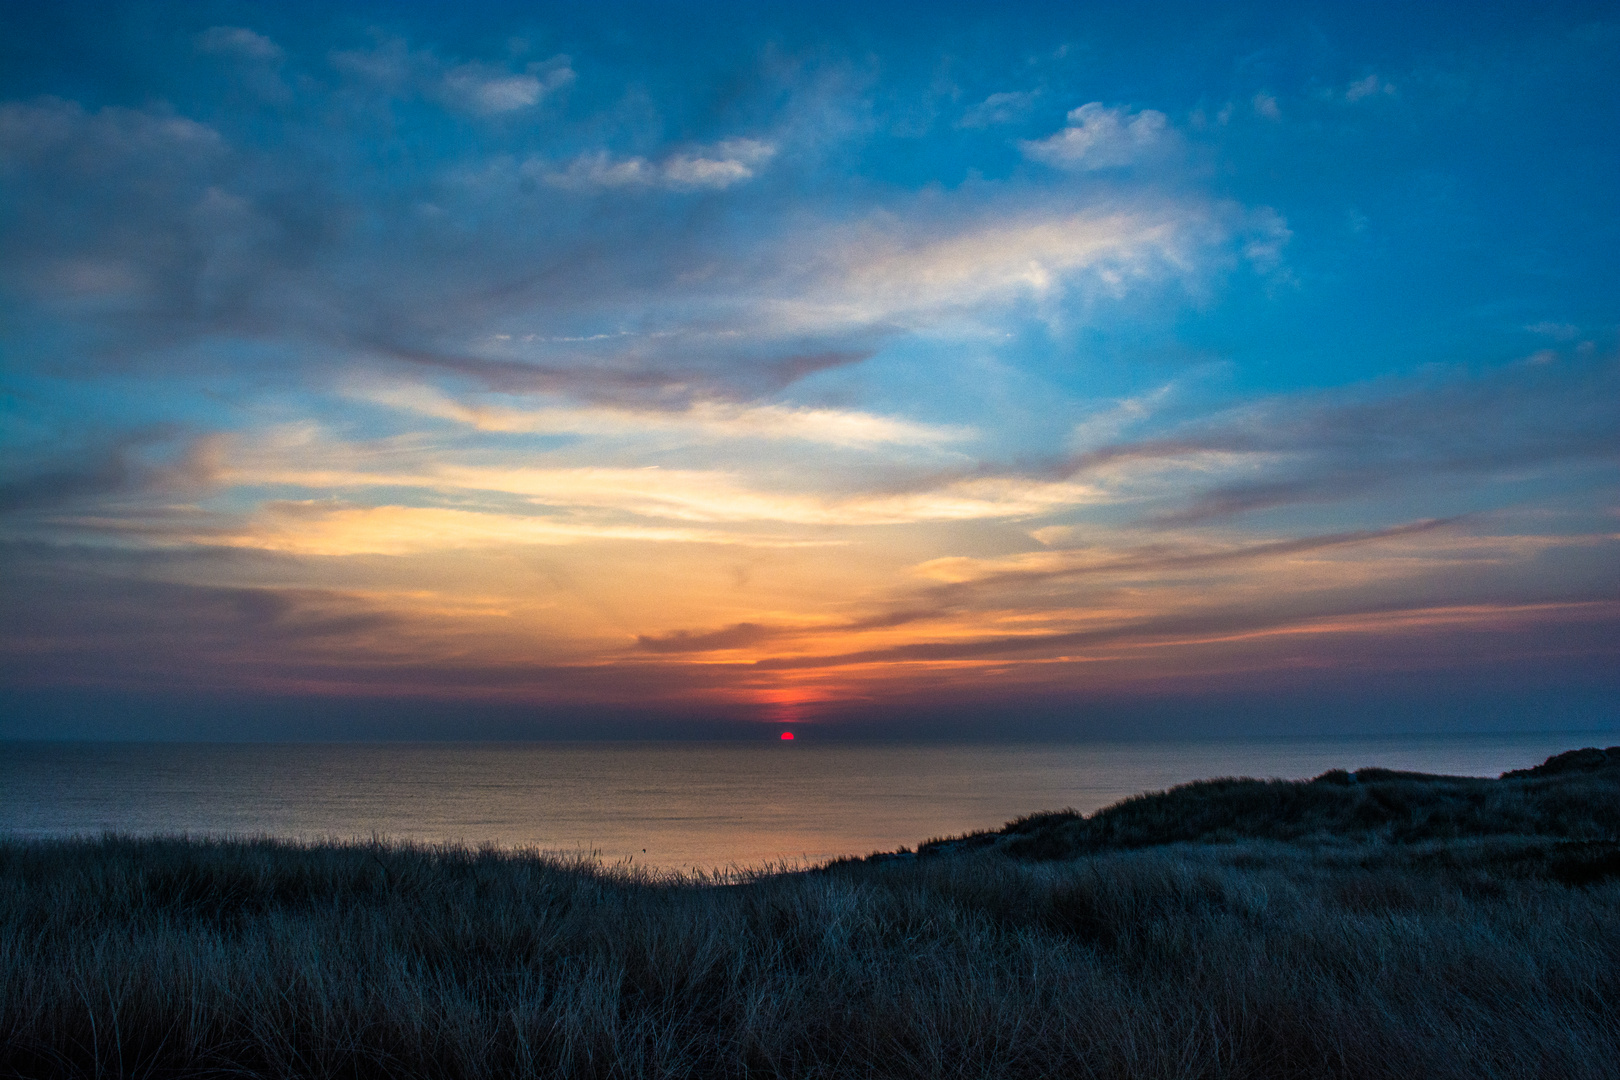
x: 593, y: 367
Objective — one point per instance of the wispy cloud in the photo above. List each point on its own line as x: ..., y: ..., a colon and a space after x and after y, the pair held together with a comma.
x: 1103, y: 137
x: 686, y: 641
x: 697, y: 421
x: 483, y: 89
x: 1498, y: 424
x: 1334, y: 445
x: 1049, y: 565
x: 321, y: 529
x: 478, y: 87
x: 1197, y: 630
x: 239, y: 42
x: 1005, y: 107
x: 1371, y: 86
x: 694, y: 495
x: 715, y: 168
x: 877, y: 276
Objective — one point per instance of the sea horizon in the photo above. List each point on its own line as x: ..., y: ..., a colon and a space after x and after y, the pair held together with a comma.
x: 669, y: 805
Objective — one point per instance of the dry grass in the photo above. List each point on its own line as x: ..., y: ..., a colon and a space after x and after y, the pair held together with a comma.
x: 1454, y: 956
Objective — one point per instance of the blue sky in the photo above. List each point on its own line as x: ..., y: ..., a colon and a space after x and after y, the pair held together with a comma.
x: 854, y: 365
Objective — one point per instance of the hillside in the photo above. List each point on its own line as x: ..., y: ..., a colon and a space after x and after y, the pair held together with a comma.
x: 1570, y: 804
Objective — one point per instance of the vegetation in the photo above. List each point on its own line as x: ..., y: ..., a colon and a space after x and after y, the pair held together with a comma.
x: 1569, y: 803
x: 1374, y: 925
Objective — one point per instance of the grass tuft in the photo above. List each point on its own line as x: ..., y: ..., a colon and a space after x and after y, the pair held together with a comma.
x: 1372, y: 924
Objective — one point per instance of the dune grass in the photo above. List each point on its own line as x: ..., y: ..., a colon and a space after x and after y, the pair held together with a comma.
x: 1569, y: 802
x: 1379, y: 950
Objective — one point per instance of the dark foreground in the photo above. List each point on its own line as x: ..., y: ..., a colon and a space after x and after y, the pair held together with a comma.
x: 1376, y: 924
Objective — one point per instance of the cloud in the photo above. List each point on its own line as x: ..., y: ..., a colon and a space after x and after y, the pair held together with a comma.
x: 1371, y: 86
x: 1002, y: 108
x: 698, y: 421
x: 145, y: 236
x: 543, y: 364
x: 1156, y: 558
x: 88, y: 622
x: 476, y: 87
x: 132, y: 464
x: 747, y: 634
x: 82, y: 619
x: 125, y: 234
x: 101, y: 475
x: 1265, y: 105
x: 238, y: 42
x: 319, y: 528
x: 387, y: 65
x: 1328, y: 446
x: 1303, y: 449
x: 670, y: 380
x: 730, y: 162
x: 1203, y: 628
x: 688, y: 495
x: 480, y: 88
x: 1497, y: 423
x: 1556, y: 330
x: 686, y: 641
x: 1099, y: 137
x: 1334, y: 445
x: 53, y: 134
x: 739, y: 327
x: 1267, y: 235
x: 881, y: 276
x: 1105, y: 422
x: 1309, y: 448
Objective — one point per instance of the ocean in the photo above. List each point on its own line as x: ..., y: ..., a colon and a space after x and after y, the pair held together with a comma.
x: 667, y: 806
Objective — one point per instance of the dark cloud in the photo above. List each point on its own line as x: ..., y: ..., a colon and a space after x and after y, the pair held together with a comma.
x: 1329, y: 446
x: 1473, y: 426
x: 152, y: 459
x: 741, y: 635
x: 133, y: 236
x: 104, y: 474
x: 894, y: 618
x: 956, y: 597
x: 148, y: 229
x: 634, y: 379
x: 286, y: 614
x: 1192, y: 624
x: 98, y: 617
x: 66, y: 602
x: 1345, y: 444
x: 735, y: 636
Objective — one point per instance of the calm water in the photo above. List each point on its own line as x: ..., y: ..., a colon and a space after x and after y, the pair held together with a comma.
x: 668, y: 805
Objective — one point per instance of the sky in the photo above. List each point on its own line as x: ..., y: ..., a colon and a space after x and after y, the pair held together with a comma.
x: 469, y: 370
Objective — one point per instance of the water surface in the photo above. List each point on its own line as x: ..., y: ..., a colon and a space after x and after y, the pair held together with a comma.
x: 667, y: 805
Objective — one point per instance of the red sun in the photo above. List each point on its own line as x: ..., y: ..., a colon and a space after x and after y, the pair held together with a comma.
x: 788, y: 735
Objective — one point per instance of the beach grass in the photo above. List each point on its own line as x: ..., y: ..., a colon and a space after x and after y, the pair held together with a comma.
x: 1367, y: 925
